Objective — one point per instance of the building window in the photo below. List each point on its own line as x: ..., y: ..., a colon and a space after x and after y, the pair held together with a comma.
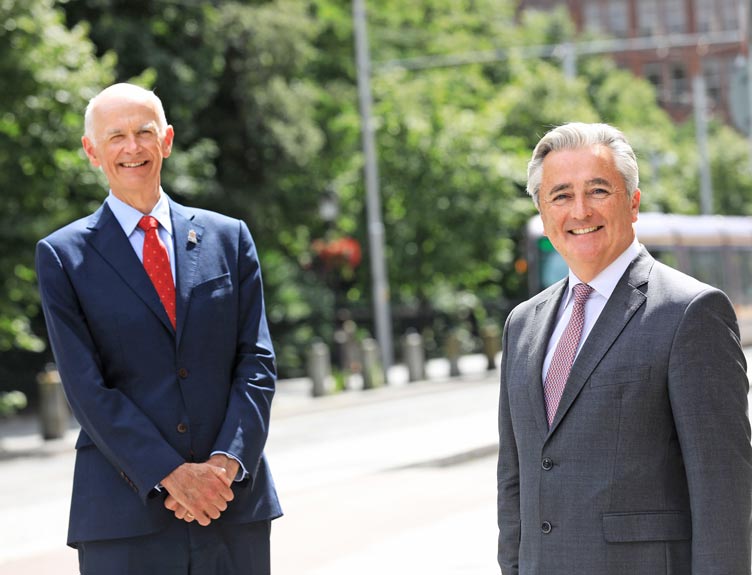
x: 718, y: 15
x: 679, y: 84
x: 653, y: 73
x: 704, y: 15
x: 674, y: 16
x: 647, y: 17
x: 730, y: 14
x: 712, y: 71
x: 592, y: 16
x: 618, y: 18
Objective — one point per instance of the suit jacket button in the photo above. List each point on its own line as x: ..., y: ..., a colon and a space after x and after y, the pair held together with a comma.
x: 547, y: 463
x: 182, y: 428
x: 182, y: 373
x: 546, y: 527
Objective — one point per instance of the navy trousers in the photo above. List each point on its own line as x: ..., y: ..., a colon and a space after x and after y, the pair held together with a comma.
x: 182, y: 549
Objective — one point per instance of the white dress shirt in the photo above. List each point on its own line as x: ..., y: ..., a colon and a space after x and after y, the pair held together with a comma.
x: 603, y: 286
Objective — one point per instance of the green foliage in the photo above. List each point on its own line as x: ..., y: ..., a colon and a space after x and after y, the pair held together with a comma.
x: 731, y: 171
x: 11, y: 402
x: 49, y: 72
x: 262, y: 95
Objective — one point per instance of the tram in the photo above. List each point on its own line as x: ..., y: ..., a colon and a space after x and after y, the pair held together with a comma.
x: 714, y: 249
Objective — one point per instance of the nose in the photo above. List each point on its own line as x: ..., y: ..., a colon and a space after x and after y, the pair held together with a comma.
x: 581, y: 208
x: 131, y: 143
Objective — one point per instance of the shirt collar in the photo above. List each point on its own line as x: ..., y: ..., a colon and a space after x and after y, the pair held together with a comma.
x: 605, y: 282
x: 128, y: 216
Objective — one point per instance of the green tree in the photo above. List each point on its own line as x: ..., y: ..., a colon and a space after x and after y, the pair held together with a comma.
x: 49, y: 72
x: 262, y: 94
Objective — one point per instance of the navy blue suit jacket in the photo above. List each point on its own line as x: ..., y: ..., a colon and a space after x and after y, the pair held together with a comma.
x: 150, y: 397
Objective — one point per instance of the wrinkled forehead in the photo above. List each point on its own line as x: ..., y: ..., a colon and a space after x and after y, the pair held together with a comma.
x: 124, y: 113
x: 575, y: 168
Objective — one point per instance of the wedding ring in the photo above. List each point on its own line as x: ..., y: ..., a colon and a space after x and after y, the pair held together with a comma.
x: 189, y: 516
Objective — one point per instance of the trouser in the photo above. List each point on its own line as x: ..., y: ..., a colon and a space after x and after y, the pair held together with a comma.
x: 182, y: 549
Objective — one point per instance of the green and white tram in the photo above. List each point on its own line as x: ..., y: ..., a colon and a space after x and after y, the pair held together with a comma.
x: 715, y: 249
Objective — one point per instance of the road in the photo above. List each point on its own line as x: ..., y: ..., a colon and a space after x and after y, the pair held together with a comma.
x: 398, y: 480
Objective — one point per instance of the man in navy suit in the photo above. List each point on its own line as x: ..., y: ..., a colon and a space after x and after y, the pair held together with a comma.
x: 171, y: 382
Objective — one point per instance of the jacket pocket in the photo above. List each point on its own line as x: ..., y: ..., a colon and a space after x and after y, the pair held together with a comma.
x: 212, y: 285
x: 647, y: 526
x: 624, y: 376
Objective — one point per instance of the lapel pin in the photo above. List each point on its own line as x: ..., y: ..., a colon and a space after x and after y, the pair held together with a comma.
x: 192, y: 238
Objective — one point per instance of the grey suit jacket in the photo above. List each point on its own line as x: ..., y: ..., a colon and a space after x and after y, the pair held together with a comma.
x: 647, y: 467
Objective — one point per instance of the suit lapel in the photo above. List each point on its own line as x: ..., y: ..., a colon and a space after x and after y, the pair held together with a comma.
x: 187, y: 234
x: 626, y: 299
x: 543, y: 325
x: 109, y: 240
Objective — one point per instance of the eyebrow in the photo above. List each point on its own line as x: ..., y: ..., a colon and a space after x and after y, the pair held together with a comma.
x: 568, y: 186
x: 152, y: 125
x: 559, y: 188
x: 599, y: 182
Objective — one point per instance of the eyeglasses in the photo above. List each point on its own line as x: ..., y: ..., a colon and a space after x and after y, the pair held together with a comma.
x: 566, y: 198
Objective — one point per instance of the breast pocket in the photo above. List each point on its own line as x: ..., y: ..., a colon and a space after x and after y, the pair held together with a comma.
x: 213, y: 287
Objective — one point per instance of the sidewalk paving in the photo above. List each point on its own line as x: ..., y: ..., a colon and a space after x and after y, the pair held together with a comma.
x: 395, y: 437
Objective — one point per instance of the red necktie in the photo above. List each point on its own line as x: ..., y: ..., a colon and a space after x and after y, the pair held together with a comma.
x: 566, y: 350
x: 157, y: 265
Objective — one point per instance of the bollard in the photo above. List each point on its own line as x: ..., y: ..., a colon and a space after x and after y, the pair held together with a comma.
x: 414, y: 356
x: 341, y: 349
x: 491, y: 343
x: 54, y: 413
x: 348, y: 351
x: 319, y: 368
x: 373, y: 373
x: 452, y: 350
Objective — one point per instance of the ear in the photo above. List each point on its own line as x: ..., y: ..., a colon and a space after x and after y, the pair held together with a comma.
x: 167, y: 142
x: 91, y: 151
x: 635, y: 204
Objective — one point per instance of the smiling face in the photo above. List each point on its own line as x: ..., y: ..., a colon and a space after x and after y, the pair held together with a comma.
x: 129, y: 143
x: 586, y: 211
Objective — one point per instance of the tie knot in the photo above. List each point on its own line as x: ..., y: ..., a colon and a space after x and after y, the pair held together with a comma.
x: 581, y: 293
x: 150, y: 223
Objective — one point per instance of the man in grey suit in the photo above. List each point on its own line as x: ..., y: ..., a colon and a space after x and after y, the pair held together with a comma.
x: 623, y: 423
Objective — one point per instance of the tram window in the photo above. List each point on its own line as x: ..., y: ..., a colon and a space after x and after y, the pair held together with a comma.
x: 552, y: 265
x: 734, y: 274
x: 743, y: 258
x: 707, y: 266
x: 666, y: 256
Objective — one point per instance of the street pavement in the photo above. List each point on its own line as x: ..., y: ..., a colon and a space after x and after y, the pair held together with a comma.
x: 397, y: 480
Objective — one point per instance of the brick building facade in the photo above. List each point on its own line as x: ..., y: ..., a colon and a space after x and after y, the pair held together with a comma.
x: 678, y: 39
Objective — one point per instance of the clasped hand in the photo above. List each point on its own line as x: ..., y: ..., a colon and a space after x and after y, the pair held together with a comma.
x: 200, y: 491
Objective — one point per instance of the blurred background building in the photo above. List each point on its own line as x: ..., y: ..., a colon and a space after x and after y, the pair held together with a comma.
x: 678, y: 39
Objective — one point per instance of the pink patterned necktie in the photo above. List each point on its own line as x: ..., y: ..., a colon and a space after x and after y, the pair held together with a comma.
x: 566, y: 350
x: 157, y: 265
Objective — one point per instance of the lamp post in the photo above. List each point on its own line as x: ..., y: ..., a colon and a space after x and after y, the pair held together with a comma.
x: 379, y: 278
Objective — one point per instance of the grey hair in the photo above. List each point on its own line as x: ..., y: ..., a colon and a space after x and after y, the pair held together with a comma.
x: 135, y: 92
x: 579, y: 135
